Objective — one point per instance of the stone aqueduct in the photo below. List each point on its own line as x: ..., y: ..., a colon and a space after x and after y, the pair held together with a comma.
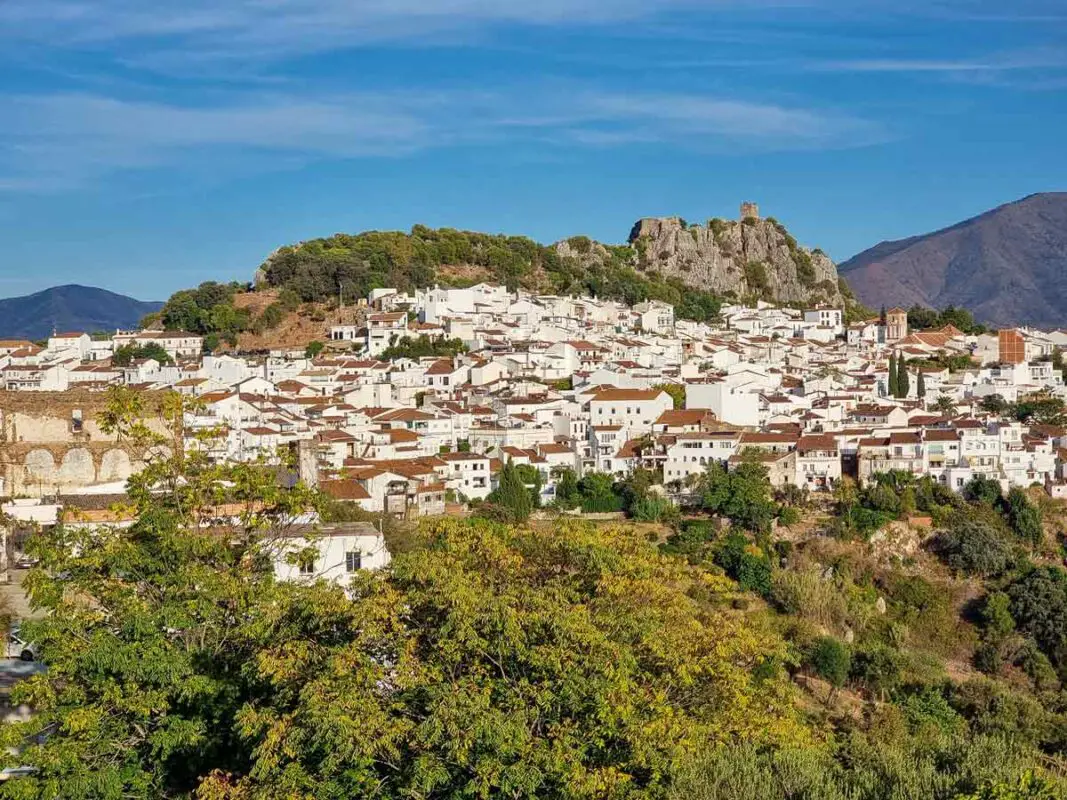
x: 51, y: 444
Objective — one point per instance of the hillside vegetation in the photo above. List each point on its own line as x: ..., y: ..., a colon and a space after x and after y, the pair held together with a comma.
x: 740, y: 659
x: 695, y: 268
x: 318, y: 269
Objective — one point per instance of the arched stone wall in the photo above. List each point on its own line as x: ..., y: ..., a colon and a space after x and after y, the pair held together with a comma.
x: 114, y: 466
x: 40, y: 468
x: 77, y: 468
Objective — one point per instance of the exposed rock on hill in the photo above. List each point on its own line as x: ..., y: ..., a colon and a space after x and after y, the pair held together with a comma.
x: 1008, y: 266
x: 693, y: 267
x: 751, y: 257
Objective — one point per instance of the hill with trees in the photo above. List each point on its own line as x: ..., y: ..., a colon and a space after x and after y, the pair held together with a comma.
x: 693, y: 267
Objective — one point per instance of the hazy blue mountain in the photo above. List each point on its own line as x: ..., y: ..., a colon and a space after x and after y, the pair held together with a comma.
x: 69, y: 308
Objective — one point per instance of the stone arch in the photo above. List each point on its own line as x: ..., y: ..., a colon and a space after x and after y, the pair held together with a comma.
x: 40, y: 469
x: 77, y: 468
x: 114, y: 466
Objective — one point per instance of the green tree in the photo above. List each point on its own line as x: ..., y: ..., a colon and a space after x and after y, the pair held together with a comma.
x: 1039, y: 608
x: 975, y: 547
x: 944, y: 404
x: 675, y: 390
x: 599, y: 495
x: 567, y: 494
x: 831, y: 660
x: 994, y: 404
x: 920, y: 385
x: 996, y: 616
x: 488, y: 661
x: 313, y: 349
x: 1029, y: 787
x: 423, y: 347
x: 126, y: 355
x: 903, y: 382
x: 743, y: 495
x: 744, y: 562
x: 1024, y: 517
x: 891, y: 381
x: 512, y: 493
x: 983, y: 490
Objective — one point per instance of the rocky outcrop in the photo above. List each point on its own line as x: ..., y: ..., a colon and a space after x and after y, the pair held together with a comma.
x: 748, y: 258
x: 752, y: 258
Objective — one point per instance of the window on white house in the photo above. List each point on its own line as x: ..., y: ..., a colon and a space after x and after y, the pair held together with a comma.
x: 307, y: 565
x: 353, y: 561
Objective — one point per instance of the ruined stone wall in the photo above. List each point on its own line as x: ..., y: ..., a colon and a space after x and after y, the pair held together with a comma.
x: 44, y: 450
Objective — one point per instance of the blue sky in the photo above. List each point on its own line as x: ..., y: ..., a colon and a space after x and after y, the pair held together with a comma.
x: 146, y: 146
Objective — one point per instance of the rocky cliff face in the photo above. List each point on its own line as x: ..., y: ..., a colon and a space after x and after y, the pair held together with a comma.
x: 752, y: 257
x: 749, y: 258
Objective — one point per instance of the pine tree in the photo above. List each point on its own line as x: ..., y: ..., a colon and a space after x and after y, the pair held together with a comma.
x: 512, y: 493
x: 903, y: 384
x: 891, y: 384
x: 920, y: 385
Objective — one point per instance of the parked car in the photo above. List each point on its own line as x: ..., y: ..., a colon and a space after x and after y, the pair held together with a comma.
x: 25, y: 562
x: 17, y: 647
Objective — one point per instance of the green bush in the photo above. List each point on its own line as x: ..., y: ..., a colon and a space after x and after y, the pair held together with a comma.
x: 831, y: 660
x: 975, y: 547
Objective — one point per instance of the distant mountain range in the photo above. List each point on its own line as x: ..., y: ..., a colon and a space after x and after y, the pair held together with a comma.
x: 1008, y: 266
x: 69, y: 308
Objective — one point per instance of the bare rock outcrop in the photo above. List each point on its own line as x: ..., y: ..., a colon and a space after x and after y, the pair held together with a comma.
x: 747, y: 258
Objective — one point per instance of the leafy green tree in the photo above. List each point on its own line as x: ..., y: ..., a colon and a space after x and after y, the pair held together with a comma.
x: 743, y: 495
x: 1024, y: 517
x: 512, y: 493
x: 1029, y: 787
x: 974, y: 546
x: 675, y: 390
x: 126, y: 355
x: 994, y: 404
x: 745, y: 563
x: 179, y: 667
x: 877, y: 667
x: 567, y: 494
x: 1044, y: 410
x: 983, y: 490
x: 313, y: 349
x: 423, y: 347
x: 599, y: 495
x: 996, y: 616
x: 1039, y: 608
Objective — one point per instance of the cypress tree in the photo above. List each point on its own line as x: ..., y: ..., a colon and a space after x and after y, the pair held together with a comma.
x: 512, y: 493
x: 891, y: 384
x: 920, y: 385
x: 903, y: 384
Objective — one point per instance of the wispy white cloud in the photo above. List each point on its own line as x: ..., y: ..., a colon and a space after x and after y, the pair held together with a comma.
x: 53, y: 141
x: 1036, y: 58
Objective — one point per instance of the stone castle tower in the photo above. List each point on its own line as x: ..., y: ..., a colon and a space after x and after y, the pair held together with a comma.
x: 749, y: 211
